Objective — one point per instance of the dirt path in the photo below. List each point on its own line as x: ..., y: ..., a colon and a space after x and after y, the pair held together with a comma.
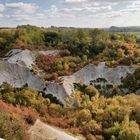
x: 42, y: 131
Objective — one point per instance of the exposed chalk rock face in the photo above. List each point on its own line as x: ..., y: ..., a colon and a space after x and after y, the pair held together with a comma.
x: 58, y: 91
x: 61, y: 91
x: 19, y: 76
x: 112, y: 75
x: 22, y: 57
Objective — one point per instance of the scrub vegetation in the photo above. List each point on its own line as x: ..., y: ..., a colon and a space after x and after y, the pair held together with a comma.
x: 96, y: 117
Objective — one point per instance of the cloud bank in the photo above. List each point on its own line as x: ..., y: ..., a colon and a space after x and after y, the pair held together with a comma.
x: 79, y: 13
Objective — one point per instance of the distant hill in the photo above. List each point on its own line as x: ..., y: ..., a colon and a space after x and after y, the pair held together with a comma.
x: 124, y: 29
x: 111, y: 29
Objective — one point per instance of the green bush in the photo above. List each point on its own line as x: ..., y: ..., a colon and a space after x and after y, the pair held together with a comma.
x: 9, y: 97
x: 72, y: 65
x: 127, y: 130
x: 26, y: 97
x: 130, y: 132
x: 93, y: 127
x: 84, y: 115
x: 92, y: 91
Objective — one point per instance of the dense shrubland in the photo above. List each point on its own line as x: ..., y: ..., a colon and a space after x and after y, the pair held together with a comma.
x: 25, y: 97
x: 78, y: 42
x: 60, y: 66
x: 93, y: 115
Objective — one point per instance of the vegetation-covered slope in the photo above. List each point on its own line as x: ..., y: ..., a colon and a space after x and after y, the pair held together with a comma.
x: 94, y: 116
x: 90, y: 114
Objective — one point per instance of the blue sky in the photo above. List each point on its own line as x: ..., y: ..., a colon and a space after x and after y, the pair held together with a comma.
x: 76, y: 13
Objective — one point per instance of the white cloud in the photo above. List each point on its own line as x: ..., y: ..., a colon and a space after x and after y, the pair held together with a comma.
x: 62, y: 11
x: 19, y: 17
x: 21, y: 7
x: 82, y: 13
x: 74, y: 1
x: 135, y: 4
x: 1, y: 15
x: 2, y: 7
x: 17, y: 12
x: 53, y: 8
